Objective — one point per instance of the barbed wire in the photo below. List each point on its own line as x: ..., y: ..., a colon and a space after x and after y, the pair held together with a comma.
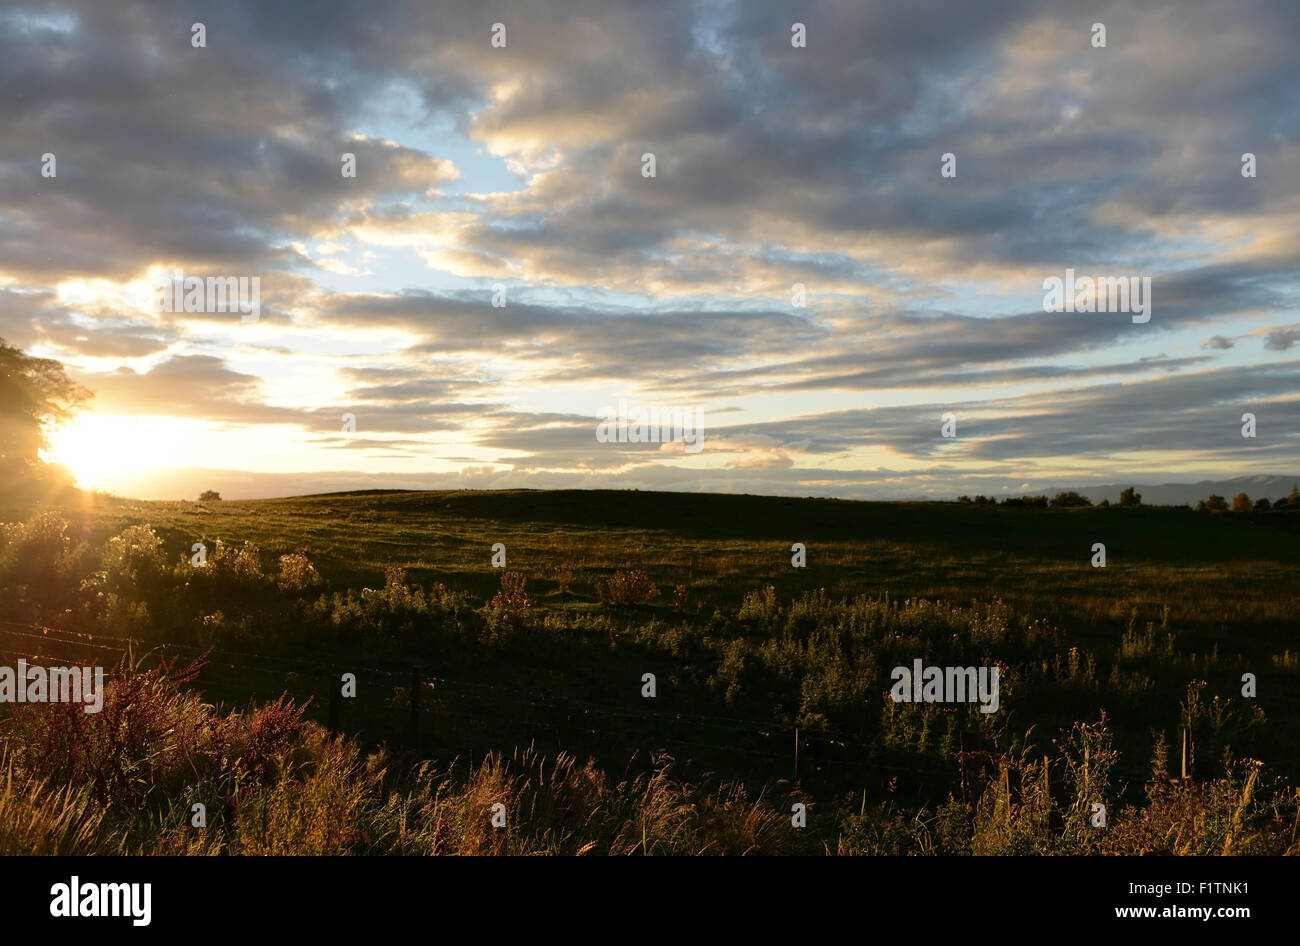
x: 525, y: 699
x: 660, y: 739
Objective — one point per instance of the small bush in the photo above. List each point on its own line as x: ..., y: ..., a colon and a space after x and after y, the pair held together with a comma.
x: 761, y: 606
x: 511, y: 600
x: 149, y: 738
x: 40, y: 554
x: 630, y: 588
x: 564, y: 574
x: 134, y: 563
x: 297, y: 574
x: 235, y: 568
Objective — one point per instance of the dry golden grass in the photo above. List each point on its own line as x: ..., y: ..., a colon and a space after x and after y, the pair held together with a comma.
x: 40, y: 818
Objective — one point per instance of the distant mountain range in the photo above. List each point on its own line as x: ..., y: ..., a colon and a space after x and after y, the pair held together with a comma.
x: 1177, y: 494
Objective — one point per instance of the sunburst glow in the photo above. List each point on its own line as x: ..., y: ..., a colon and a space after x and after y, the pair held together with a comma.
x: 99, y: 448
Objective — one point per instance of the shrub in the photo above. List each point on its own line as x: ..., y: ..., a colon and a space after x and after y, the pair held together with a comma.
x: 40, y: 554
x: 395, y: 613
x: 134, y: 562
x: 511, y: 600
x: 564, y: 573
x: 209, y: 496
x: 232, y: 568
x: 761, y: 606
x: 1241, y: 503
x: 630, y: 588
x: 150, y: 736
x: 297, y: 574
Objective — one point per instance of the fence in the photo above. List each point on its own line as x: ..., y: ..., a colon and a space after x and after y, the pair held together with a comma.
x: 429, y: 700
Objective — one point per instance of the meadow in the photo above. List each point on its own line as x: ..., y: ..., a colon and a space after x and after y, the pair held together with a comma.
x: 524, y: 685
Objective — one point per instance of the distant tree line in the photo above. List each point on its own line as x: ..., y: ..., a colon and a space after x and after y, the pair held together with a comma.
x: 1242, y: 503
x: 1066, y: 500
x: 1131, y: 497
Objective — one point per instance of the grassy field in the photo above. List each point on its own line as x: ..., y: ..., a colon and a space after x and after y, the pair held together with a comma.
x: 771, y: 680
x: 1210, y: 571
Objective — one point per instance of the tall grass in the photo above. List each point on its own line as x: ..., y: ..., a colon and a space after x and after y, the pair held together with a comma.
x: 735, y: 679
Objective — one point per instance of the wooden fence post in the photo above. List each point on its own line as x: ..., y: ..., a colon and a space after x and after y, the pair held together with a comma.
x: 415, y: 708
x: 1006, y: 790
x: 562, y: 722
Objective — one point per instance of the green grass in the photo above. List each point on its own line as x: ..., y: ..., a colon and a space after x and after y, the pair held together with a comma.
x: 1184, y: 597
x: 1212, y: 572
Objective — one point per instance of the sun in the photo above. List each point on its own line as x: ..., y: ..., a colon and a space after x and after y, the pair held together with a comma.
x: 100, y: 450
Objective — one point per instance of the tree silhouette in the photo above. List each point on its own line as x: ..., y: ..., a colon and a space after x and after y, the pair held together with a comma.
x: 36, y: 396
x: 1070, y: 498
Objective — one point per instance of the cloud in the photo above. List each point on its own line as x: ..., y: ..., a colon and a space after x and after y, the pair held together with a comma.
x: 776, y: 165
x: 1281, y: 340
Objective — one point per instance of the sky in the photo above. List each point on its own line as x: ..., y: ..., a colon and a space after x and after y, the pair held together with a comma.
x: 845, y: 237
